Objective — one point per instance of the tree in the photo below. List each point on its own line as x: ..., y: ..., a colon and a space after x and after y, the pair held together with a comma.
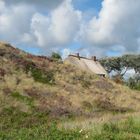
x: 113, y: 64
x: 121, y: 64
x: 56, y: 56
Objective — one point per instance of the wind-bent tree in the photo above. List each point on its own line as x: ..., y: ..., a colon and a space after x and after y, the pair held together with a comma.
x: 121, y: 65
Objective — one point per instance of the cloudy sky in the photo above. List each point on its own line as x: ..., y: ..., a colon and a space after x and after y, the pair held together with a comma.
x: 91, y: 27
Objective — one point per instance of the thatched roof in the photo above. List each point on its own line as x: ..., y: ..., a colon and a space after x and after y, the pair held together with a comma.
x: 87, y: 64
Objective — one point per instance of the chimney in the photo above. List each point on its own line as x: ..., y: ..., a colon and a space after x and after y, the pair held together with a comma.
x: 94, y: 58
x: 78, y: 55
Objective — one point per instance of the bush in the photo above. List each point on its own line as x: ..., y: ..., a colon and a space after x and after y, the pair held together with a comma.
x: 133, y: 83
x: 43, y: 77
x: 56, y: 56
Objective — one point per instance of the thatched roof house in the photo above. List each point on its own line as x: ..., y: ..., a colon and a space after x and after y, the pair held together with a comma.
x: 91, y: 65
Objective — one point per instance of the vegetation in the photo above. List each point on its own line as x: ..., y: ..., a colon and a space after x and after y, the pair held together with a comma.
x: 18, y: 96
x: 42, y: 99
x: 18, y: 125
x: 134, y: 83
x: 56, y: 56
x: 130, y: 129
x: 40, y: 76
x: 120, y: 65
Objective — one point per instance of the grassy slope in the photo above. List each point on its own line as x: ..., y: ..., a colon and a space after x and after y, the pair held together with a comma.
x: 34, y: 91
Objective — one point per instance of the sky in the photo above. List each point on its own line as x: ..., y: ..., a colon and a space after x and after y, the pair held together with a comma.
x: 89, y: 27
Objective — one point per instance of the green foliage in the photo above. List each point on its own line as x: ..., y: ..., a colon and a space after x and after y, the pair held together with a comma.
x: 18, y: 96
x: 55, y: 134
x: 134, y: 83
x: 129, y: 130
x: 112, y: 64
x: 43, y: 77
x: 16, y: 125
x: 110, y: 128
x: 120, y: 65
x: 56, y: 56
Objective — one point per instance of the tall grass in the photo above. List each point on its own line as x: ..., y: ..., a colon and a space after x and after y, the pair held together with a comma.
x: 16, y: 125
x: 128, y: 130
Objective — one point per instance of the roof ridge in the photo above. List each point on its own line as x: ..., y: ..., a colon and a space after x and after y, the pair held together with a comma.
x: 81, y: 57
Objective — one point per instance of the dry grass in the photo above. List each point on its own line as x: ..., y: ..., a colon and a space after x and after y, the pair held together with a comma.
x: 75, y: 93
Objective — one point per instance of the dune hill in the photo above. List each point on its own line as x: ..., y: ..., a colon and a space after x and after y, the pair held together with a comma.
x: 39, y: 84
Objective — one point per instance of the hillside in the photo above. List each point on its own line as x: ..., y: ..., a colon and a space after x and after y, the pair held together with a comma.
x: 57, y: 87
x: 39, y: 85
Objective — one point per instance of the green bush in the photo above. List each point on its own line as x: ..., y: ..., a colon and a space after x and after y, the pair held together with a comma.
x: 133, y: 83
x: 43, y: 77
x: 56, y: 56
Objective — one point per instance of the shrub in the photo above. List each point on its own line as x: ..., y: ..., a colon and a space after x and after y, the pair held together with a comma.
x: 42, y: 77
x: 133, y: 83
x: 56, y: 56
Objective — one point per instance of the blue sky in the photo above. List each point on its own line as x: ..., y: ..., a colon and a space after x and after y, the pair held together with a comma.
x: 90, y: 27
x: 87, y: 4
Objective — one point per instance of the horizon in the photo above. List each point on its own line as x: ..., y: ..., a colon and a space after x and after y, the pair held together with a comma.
x: 99, y: 27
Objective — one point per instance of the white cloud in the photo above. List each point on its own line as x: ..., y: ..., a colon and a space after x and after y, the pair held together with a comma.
x: 14, y: 21
x: 129, y: 73
x: 23, y: 23
x: 2, y: 7
x: 65, y: 53
x: 49, y: 4
x: 118, y: 24
x: 116, y: 28
x: 57, y: 29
